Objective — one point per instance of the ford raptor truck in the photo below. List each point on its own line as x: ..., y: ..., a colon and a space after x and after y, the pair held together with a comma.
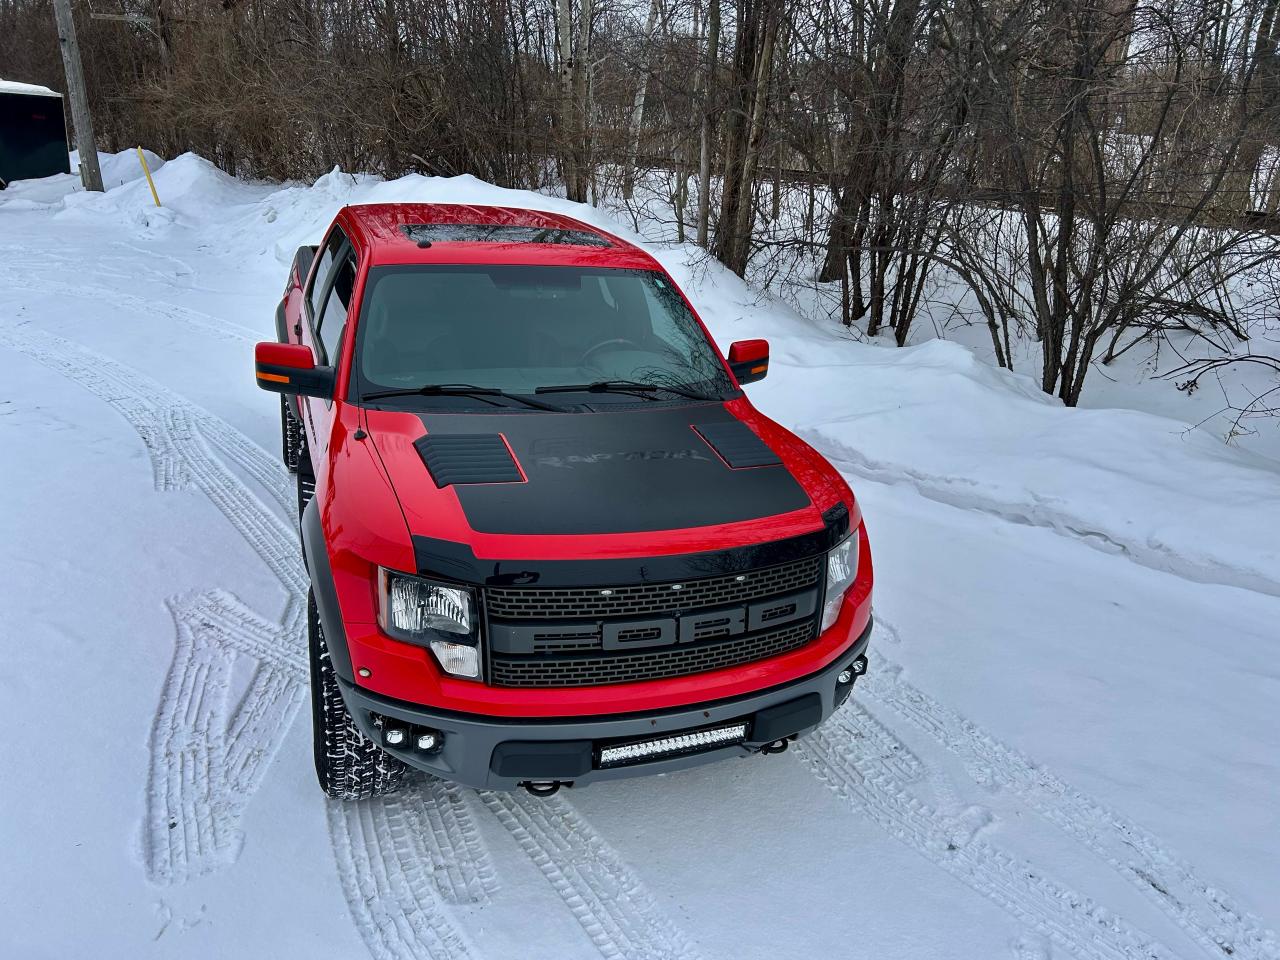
x: 550, y: 540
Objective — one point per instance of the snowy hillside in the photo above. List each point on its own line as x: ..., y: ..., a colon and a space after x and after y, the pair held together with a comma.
x: 1066, y: 746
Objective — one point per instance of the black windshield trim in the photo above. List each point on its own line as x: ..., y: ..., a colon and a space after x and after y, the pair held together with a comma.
x: 633, y: 387
x: 465, y: 390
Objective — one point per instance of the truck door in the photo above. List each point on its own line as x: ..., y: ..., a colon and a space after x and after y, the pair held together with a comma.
x: 326, y: 304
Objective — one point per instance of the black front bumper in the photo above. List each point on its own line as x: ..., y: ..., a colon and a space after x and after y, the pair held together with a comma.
x: 503, y: 753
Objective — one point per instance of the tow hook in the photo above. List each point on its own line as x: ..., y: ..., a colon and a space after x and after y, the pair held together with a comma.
x: 778, y: 746
x: 545, y: 788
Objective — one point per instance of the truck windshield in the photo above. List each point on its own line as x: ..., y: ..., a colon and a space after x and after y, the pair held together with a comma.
x: 519, y: 328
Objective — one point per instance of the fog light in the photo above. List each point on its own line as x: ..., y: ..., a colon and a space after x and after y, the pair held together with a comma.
x: 428, y: 741
x: 458, y: 659
x: 846, y: 676
x: 394, y: 736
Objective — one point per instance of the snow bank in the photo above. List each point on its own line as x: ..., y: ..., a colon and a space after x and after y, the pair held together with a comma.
x: 965, y: 433
x: 63, y: 190
x: 120, y: 168
x: 932, y: 416
x: 295, y: 215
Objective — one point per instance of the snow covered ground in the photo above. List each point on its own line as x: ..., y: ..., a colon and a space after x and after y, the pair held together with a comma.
x: 1067, y: 747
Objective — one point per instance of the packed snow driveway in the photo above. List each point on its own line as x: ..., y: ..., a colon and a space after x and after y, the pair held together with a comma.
x: 1060, y: 751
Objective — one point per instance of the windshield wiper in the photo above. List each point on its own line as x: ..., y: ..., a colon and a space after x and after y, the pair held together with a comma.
x: 623, y: 386
x: 463, y: 390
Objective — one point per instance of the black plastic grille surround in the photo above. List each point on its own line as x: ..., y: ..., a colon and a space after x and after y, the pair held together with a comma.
x: 654, y: 664
x: 569, y: 603
x: 579, y: 636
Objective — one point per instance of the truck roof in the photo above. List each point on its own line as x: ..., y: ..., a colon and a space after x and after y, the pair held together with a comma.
x: 406, y: 233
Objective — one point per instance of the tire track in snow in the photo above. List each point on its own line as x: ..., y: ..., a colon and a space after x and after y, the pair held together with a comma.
x: 610, y: 902
x: 207, y: 758
x: 206, y: 762
x: 435, y: 839
x: 137, y: 306
x: 168, y: 468
x: 1137, y: 855
x: 396, y: 905
x: 868, y: 768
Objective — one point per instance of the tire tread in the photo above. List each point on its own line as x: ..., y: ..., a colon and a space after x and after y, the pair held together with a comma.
x: 349, y: 765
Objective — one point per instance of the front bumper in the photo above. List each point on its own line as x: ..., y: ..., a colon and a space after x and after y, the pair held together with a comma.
x: 503, y: 753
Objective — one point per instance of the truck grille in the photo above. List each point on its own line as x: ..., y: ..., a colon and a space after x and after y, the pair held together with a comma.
x: 577, y: 671
x: 586, y: 636
x: 570, y: 603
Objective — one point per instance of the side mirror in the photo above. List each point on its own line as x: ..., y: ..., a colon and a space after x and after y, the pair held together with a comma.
x: 291, y: 368
x: 749, y: 360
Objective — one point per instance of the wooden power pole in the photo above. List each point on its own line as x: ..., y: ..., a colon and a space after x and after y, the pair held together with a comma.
x: 90, y: 175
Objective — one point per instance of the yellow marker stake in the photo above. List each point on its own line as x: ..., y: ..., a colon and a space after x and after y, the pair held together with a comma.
x: 150, y: 183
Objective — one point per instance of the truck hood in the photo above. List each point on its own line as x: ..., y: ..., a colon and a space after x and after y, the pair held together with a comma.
x: 641, y: 469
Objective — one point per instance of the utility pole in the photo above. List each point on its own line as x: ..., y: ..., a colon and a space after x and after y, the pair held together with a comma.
x: 90, y: 175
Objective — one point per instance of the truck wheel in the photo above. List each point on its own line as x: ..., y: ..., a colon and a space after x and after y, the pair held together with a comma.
x: 290, y: 437
x: 306, y: 485
x: 349, y: 765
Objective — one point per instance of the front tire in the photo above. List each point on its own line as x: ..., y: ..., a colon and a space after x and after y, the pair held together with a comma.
x: 306, y: 486
x: 349, y: 765
x: 291, y: 442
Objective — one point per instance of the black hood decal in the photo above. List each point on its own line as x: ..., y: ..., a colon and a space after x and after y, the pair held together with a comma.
x: 616, y: 472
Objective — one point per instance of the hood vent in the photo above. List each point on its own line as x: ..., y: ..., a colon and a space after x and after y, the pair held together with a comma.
x: 737, y: 444
x: 454, y: 458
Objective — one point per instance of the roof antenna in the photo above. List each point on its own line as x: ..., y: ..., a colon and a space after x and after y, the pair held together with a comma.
x: 408, y: 230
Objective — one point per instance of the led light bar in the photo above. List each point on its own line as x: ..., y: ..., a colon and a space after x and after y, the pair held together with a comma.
x: 674, y: 745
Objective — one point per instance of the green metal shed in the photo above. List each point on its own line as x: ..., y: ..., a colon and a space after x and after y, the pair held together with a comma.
x: 33, y: 132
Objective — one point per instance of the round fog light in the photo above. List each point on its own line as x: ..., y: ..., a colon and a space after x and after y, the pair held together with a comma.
x: 428, y: 742
x: 846, y: 676
x: 394, y: 737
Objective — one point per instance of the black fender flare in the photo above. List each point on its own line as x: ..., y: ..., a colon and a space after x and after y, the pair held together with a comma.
x: 316, y: 557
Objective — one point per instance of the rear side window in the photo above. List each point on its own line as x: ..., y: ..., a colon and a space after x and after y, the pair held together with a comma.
x: 334, y: 318
x: 324, y: 266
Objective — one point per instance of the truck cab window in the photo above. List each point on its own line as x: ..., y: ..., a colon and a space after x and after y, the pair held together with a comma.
x: 324, y: 266
x: 334, y: 318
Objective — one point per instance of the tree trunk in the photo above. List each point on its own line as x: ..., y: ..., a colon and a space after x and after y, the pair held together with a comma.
x: 709, y: 99
x: 564, y: 39
x: 1262, y: 86
x: 741, y: 239
x: 582, y: 102
x: 637, y: 105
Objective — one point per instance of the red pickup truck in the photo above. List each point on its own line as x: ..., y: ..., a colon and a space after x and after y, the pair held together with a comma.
x: 550, y: 540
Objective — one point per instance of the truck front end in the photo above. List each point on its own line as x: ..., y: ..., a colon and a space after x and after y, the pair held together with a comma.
x: 550, y: 540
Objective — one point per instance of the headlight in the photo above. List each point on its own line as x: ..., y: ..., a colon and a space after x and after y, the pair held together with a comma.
x: 438, y: 616
x: 842, y: 568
